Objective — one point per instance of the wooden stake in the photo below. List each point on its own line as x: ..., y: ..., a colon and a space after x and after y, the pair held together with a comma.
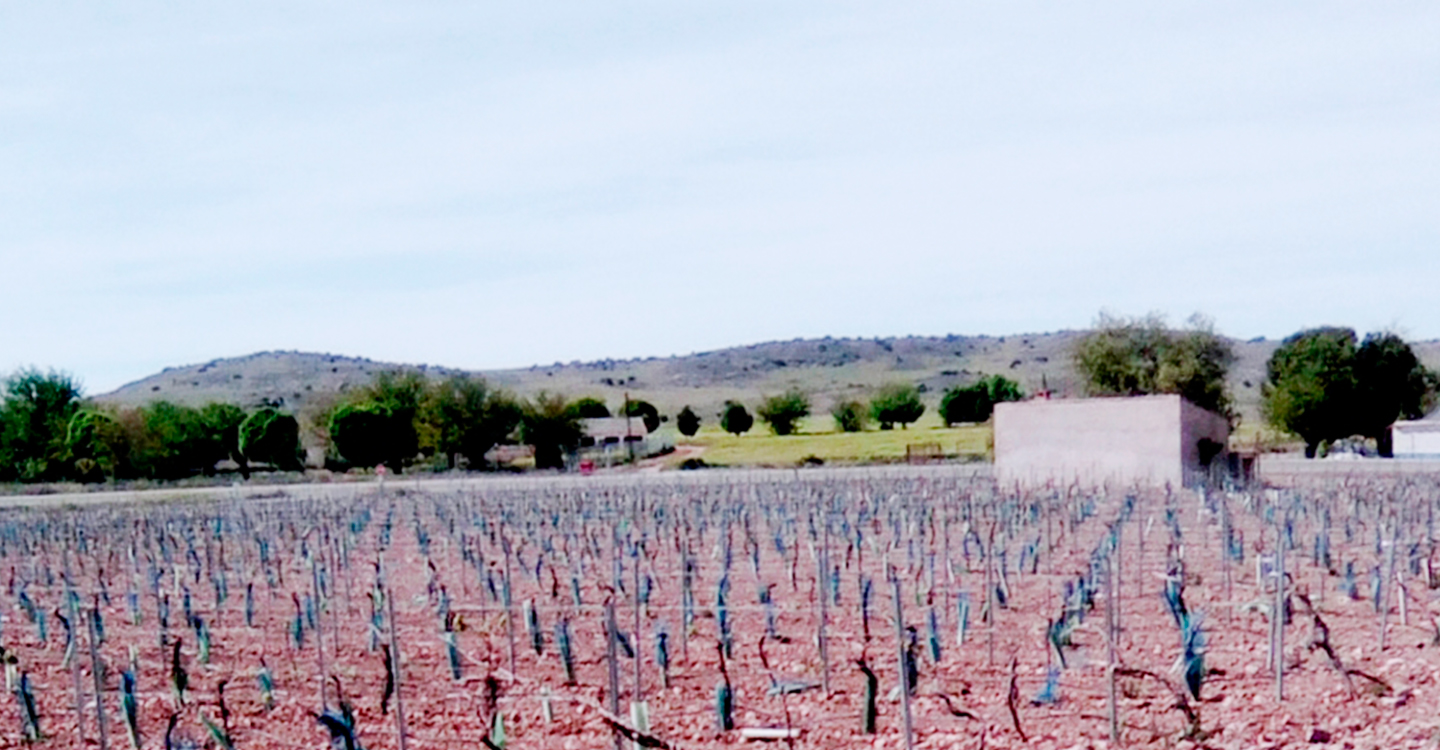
x: 395, y: 667
x: 900, y: 659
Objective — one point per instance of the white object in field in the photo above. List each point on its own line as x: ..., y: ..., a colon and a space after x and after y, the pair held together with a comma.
x: 1419, y: 438
x: 640, y: 719
x: 546, y: 710
x: 769, y: 734
x: 1264, y: 570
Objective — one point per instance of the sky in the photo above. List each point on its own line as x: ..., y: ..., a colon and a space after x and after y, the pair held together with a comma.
x: 490, y: 185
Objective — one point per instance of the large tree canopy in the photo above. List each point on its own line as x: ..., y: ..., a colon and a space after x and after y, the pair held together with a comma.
x: 1322, y: 386
x: 34, y: 418
x: 550, y: 425
x: 1139, y: 356
x: 468, y: 417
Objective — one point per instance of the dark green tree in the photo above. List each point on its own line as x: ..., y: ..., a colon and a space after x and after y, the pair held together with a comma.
x: 271, y: 437
x: 35, y: 416
x: 549, y: 425
x: 367, y: 434
x: 850, y: 415
x: 1139, y: 356
x: 1391, y: 384
x: 687, y: 421
x: 736, y: 419
x: 783, y: 411
x: 645, y: 410
x: 1322, y: 386
x: 897, y: 403
x: 976, y: 402
x: 222, y: 427
x: 590, y: 408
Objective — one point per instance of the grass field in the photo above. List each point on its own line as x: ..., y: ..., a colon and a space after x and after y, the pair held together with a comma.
x: 819, y: 438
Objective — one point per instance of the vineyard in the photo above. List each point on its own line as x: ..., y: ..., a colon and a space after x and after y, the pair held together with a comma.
x: 903, y: 607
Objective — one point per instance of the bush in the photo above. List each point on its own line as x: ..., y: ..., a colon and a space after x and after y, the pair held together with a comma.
x: 783, y: 411
x: 687, y: 421
x: 271, y: 437
x: 896, y: 404
x: 735, y: 419
x: 851, y: 416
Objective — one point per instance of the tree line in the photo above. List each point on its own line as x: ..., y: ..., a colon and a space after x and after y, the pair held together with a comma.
x: 1321, y: 384
x: 894, y: 404
x: 50, y: 432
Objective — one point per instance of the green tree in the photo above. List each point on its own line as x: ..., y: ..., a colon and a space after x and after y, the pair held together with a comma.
x: 736, y: 419
x: 271, y: 437
x: 367, y: 434
x: 469, y: 417
x: 687, y: 421
x: 1138, y: 356
x: 549, y: 424
x: 897, y: 403
x: 97, y: 446
x: 35, y: 415
x: 222, y: 426
x: 850, y: 415
x: 590, y: 408
x: 1322, y: 386
x: 783, y: 411
x: 645, y: 410
x: 178, y: 443
x: 976, y: 402
x: 1391, y: 384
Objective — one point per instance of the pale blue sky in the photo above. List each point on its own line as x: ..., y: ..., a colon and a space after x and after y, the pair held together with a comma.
x: 493, y: 185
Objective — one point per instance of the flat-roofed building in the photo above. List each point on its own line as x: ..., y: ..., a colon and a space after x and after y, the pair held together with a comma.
x: 1118, y: 441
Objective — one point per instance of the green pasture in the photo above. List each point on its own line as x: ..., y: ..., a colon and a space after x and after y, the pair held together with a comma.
x: 819, y: 438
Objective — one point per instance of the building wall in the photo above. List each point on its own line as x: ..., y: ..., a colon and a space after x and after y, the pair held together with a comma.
x: 1417, y: 439
x: 1145, y: 439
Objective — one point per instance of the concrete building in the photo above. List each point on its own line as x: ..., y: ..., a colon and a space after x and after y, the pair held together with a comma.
x: 1417, y: 438
x: 1118, y: 441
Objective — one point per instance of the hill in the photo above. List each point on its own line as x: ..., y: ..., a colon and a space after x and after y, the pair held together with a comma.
x: 828, y: 368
